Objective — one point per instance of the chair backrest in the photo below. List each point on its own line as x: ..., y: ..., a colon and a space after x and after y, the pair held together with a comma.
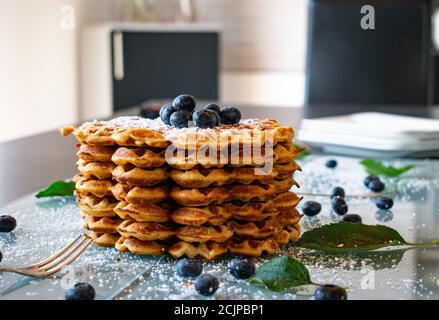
x: 390, y: 65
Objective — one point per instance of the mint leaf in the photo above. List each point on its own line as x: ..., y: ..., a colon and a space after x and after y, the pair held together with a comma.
x: 58, y: 188
x: 303, y: 153
x: 281, y: 273
x: 377, y: 168
x: 348, y: 237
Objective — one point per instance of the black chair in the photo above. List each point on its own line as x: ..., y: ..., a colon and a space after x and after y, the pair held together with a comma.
x: 390, y: 68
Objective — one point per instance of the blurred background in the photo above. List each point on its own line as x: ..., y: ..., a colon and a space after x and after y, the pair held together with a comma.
x: 55, y: 64
x: 68, y: 61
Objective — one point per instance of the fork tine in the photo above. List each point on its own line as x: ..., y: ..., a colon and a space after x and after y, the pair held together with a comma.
x: 69, y: 260
x: 64, y: 255
x: 56, y: 254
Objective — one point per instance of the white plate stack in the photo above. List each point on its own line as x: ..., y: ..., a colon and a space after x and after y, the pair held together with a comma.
x: 372, y: 134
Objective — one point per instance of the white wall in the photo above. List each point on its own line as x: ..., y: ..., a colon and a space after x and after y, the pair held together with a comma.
x: 39, y: 62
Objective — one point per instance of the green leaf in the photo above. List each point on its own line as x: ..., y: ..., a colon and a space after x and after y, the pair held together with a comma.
x: 303, y: 153
x: 281, y: 273
x: 58, y: 188
x: 377, y: 168
x: 348, y: 237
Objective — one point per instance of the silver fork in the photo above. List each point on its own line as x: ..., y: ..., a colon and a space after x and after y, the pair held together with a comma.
x: 55, y: 262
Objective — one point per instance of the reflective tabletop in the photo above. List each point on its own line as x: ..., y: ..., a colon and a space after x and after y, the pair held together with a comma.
x: 45, y: 225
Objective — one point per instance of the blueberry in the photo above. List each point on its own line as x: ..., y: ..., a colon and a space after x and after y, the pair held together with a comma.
x: 311, y: 208
x: 352, y: 217
x: 180, y: 119
x: 376, y: 186
x: 330, y: 292
x: 81, y: 291
x: 331, y: 163
x: 337, y: 192
x: 165, y: 113
x: 7, y: 223
x: 339, y: 205
x: 205, y: 118
x: 230, y: 115
x: 214, y: 107
x: 206, y: 284
x: 184, y: 102
x: 1, y: 256
x: 384, y: 203
x: 189, y: 268
x: 241, y: 268
x: 216, y: 115
x: 369, y: 179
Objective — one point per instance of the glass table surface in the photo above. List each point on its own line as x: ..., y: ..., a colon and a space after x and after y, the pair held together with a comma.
x: 45, y: 225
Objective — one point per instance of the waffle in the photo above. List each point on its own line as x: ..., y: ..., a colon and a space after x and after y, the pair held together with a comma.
x: 204, y: 233
x: 285, y: 170
x: 95, y: 170
x: 250, y: 211
x: 286, y: 152
x: 94, y: 153
x: 136, y: 246
x: 99, y: 188
x: 284, y: 185
x: 139, y: 157
x: 145, y: 231
x: 190, y: 159
x: 136, y: 131
x: 96, y: 206
x: 104, y: 239
x: 100, y: 225
x: 134, y: 176
x: 138, y: 195
x: 201, y: 178
x: 265, y: 228
x: 144, y: 213
x: 207, y: 250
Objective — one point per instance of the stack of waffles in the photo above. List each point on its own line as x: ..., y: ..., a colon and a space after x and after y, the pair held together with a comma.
x: 148, y: 188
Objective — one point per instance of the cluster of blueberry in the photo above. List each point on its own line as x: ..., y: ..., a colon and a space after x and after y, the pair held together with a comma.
x: 206, y: 284
x: 338, y: 202
x: 182, y: 110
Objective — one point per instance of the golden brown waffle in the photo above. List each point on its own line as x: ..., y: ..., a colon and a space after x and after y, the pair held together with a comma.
x: 144, y: 213
x: 96, y: 206
x: 286, y: 152
x: 136, y: 246
x: 248, y: 132
x: 136, y: 131
x: 285, y: 170
x: 293, y: 232
x: 99, y: 188
x: 95, y: 153
x: 95, y: 170
x: 134, y: 176
x: 138, y: 195
x: 265, y: 228
x: 201, y: 178
x: 104, y: 239
x: 145, y: 231
x: 208, y: 250
x: 217, y: 195
x: 284, y: 185
x: 250, y: 211
x: 139, y: 157
x: 204, y: 233
x: 100, y: 225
